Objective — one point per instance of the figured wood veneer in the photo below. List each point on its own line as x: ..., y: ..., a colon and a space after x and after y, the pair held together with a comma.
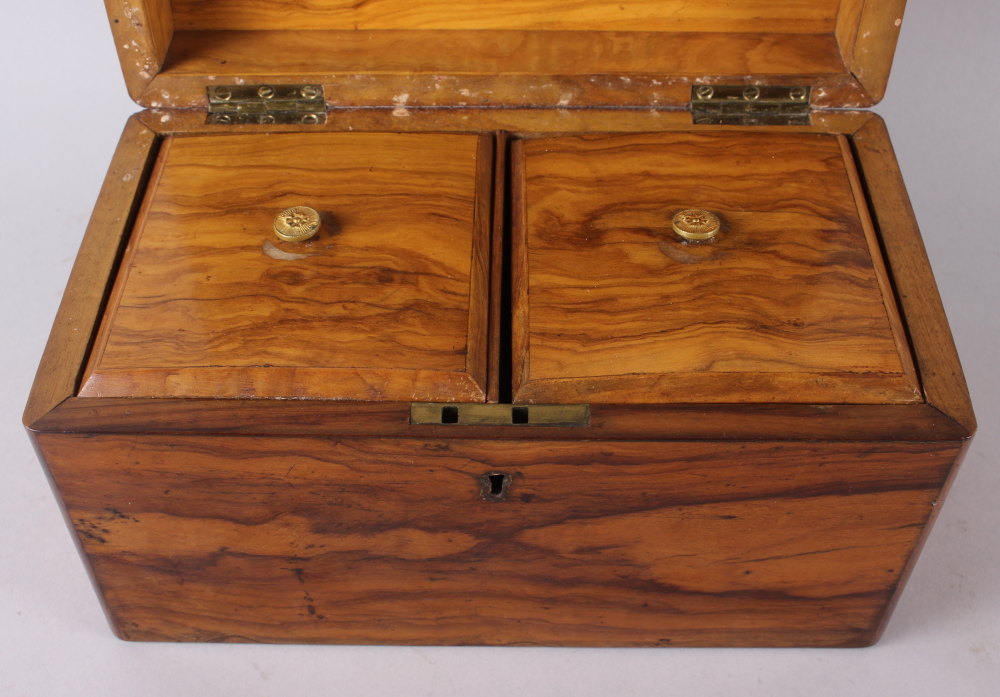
x: 792, y: 16
x: 789, y: 304
x: 499, y: 68
x: 314, y: 520
x: 389, y: 541
x: 525, y: 53
x: 389, y: 301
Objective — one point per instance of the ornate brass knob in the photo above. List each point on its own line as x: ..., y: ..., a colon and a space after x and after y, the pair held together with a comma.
x: 296, y: 224
x: 695, y: 224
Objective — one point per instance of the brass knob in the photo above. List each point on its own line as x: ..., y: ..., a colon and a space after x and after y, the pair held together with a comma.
x: 296, y: 224
x: 695, y: 224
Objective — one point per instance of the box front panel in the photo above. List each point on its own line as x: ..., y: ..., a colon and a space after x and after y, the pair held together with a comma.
x: 360, y: 540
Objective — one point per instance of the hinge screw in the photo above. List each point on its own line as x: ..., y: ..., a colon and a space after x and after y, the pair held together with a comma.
x: 797, y: 94
x: 310, y: 91
x: 704, y: 91
x: 310, y: 118
x: 751, y: 93
x: 265, y: 91
x: 223, y: 93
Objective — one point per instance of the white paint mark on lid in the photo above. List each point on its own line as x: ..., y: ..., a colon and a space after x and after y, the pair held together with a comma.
x: 400, y: 101
x: 281, y: 255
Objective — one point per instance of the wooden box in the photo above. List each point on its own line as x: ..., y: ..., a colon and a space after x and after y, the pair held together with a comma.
x: 497, y: 400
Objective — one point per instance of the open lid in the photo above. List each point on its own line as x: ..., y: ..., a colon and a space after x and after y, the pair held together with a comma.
x: 492, y: 53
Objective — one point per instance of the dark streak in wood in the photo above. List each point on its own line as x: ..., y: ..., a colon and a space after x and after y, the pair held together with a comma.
x: 397, y: 546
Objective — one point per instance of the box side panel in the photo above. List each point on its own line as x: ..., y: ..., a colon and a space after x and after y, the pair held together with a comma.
x: 928, y: 526
x: 356, y: 540
x: 77, y: 540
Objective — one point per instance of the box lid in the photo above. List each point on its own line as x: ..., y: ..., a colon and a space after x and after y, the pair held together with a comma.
x: 388, y: 301
x: 789, y: 303
x: 553, y: 53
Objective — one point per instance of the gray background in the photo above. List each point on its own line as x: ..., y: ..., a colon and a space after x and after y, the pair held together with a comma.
x: 62, y: 109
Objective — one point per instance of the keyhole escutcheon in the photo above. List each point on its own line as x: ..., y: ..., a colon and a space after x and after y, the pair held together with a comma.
x: 495, y: 486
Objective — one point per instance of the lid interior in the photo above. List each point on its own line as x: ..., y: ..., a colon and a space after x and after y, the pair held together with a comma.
x: 497, y: 52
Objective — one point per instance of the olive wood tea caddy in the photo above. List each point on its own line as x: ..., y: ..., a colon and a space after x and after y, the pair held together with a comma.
x: 504, y: 395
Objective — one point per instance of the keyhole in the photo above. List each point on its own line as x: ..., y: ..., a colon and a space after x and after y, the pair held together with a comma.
x: 449, y: 415
x: 495, y: 486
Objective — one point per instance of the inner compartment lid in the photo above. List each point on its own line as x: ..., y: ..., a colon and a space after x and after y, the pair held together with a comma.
x: 387, y: 302
x: 790, y: 303
x: 404, y: 53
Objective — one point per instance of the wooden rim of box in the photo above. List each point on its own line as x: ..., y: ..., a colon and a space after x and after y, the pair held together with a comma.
x: 946, y: 415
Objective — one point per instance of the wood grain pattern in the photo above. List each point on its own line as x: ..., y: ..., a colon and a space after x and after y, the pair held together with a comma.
x: 388, y: 541
x: 104, y: 325
x: 792, y: 16
x: 933, y: 346
x: 501, y: 68
x: 386, y: 303
x: 846, y: 32
x: 878, y: 263
x: 530, y: 52
x: 69, y: 341
x: 928, y: 527
x: 875, y: 49
x: 509, y: 52
x: 784, y: 306
x: 850, y: 422
x: 477, y: 360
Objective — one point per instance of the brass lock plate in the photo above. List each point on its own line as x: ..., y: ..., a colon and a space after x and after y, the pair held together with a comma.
x: 567, y: 415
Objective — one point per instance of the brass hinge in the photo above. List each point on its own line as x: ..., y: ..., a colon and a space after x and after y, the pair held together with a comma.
x: 266, y: 104
x: 750, y: 105
x: 426, y: 413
